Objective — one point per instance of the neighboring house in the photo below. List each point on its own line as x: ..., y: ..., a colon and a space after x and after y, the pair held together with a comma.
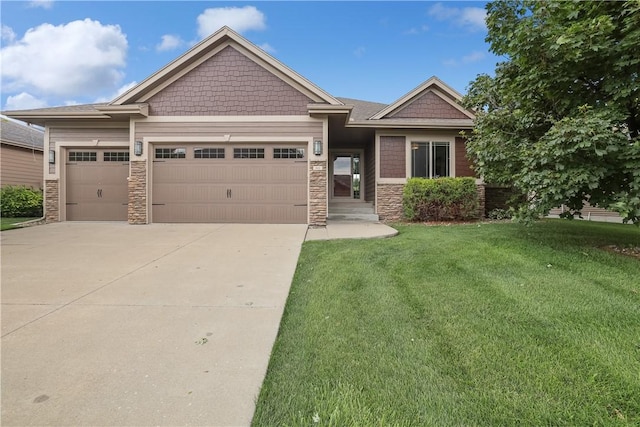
x: 20, y: 155
x: 226, y: 133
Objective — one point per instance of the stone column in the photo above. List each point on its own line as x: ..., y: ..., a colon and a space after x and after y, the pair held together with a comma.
x: 137, y: 211
x: 318, y: 193
x: 52, y: 200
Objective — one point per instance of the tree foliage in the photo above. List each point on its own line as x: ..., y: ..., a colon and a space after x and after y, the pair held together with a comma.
x: 560, y: 120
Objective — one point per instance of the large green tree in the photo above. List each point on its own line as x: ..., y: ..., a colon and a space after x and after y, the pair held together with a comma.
x: 560, y: 120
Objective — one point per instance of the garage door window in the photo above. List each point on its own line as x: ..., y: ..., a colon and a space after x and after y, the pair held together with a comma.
x: 248, y: 153
x: 288, y: 153
x: 116, y: 156
x: 208, y: 153
x: 171, y: 153
x: 83, y: 156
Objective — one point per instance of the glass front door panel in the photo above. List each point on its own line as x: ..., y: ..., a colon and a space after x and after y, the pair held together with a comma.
x: 342, y: 176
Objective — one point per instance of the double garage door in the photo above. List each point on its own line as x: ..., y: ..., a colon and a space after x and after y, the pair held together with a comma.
x: 242, y: 183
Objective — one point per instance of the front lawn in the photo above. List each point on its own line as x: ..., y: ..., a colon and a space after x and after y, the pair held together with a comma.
x: 9, y: 223
x: 491, y: 324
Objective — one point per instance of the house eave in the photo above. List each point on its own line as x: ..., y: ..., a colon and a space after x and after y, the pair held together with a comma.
x: 329, y: 109
x: 40, y: 119
x: 131, y: 110
x: 411, y: 125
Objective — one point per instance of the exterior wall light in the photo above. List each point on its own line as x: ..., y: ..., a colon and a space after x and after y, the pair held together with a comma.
x: 52, y: 157
x: 137, y: 148
x: 317, y: 148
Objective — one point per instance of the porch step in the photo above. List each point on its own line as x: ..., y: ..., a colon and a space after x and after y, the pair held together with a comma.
x: 352, y: 211
x: 353, y: 217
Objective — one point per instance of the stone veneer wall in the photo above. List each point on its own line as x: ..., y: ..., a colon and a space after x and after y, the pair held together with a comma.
x: 318, y: 193
x: 389, y: 202
x: 52, y: 200
x: 137, y: 211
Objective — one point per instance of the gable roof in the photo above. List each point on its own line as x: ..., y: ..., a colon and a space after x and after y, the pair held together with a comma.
x: 433, y: 84
x: 210, y: 47
x: 13, y: 133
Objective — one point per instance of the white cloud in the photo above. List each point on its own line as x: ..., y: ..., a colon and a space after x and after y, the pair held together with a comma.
x: 169, y: 42
x: 45, y: 4
x: 24, y: 101
x: 414, y: 31
x: 241, y: 19
x: 267, y: 48
x: 74, y: 59
x: 474, y: 56
x: 360, y: 51
x: 472, y: 18
x: 117, y: 93
x: 8, y: 35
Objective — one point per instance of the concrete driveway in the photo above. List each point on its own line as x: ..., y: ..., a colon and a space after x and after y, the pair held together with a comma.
x: 112, y: 324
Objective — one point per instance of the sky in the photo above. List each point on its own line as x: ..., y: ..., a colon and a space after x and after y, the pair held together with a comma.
x: 56, y: 53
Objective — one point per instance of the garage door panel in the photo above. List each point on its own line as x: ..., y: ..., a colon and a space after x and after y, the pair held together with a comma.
x: 184, y: 193
x: 191, y: 212
x: 96, y: 190
x: 97, y: 211
x: 230, y: 190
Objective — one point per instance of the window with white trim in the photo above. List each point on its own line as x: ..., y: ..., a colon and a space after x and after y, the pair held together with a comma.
x: 248, y: 153
x: 430, y: 159
x: 208, y: 153
x: 83, y: 156
x: 171, y: 153
x: 116, y: 156
x: 288, y: 153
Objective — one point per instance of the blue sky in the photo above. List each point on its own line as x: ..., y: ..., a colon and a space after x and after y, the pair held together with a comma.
x: 69, y: 52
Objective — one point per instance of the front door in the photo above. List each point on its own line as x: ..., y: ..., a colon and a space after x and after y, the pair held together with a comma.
x: 346, y: 181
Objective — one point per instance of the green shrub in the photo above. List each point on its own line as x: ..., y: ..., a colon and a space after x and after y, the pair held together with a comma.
x: 440, y: 199
x: 19, y: 201
x: 499, y: 214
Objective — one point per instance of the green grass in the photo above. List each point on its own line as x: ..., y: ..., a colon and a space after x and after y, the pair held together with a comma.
x: 492, y: 324
x: 9, y: 223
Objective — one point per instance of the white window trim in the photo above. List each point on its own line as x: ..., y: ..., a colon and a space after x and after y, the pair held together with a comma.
x: 411, y: 139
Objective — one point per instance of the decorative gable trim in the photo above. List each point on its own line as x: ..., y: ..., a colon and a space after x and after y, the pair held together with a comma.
x: 208, y: 48
x: 436, y: 86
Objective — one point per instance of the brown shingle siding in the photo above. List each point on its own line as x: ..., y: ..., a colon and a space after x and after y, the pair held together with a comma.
x: 393, y: 157
x: 428, y: 106
x: 229, y: 84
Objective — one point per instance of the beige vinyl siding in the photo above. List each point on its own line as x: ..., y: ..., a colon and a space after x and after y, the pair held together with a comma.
x: 20, y: 166
x: 247, y: 129
x: 588, y: 211
x: 101, y: 132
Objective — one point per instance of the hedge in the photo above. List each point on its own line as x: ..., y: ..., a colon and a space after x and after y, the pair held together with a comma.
x: 20, y: 202
x: 440, y: 199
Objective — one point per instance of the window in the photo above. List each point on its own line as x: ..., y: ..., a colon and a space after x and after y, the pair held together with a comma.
x: 288, y: 153
x: 171, y: 153
x: 430, y: 159
x: 248, y: 153
x: 208, y: 153
x: 83, y: 156
x: 116, y: 156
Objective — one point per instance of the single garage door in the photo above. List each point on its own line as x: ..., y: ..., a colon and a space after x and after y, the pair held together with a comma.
x: 97, y: 184
x: 243, y: 184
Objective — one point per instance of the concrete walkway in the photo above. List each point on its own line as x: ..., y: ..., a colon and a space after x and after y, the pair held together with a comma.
x: 116, y: 325
x: 350, y: 230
